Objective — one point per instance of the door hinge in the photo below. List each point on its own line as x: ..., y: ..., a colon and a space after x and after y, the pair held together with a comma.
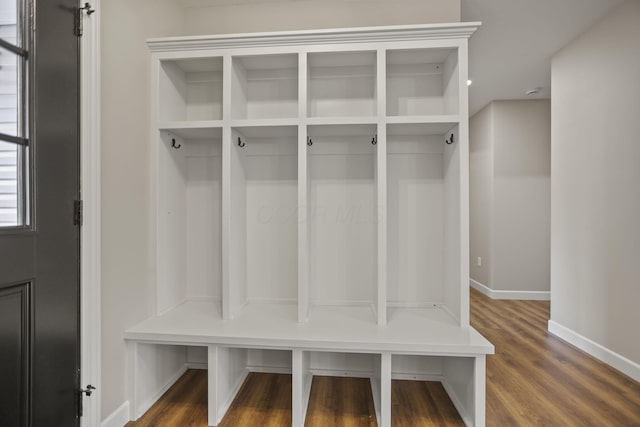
x: 81, y: 393
x: 77, y: 212
x: 79, y: 14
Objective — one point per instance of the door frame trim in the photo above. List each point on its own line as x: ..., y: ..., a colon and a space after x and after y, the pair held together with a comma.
x: 90, y: 236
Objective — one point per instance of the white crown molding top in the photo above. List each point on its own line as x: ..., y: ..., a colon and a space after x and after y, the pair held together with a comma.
x: 337, y: 35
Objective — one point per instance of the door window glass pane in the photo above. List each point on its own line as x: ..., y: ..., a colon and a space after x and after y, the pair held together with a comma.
x: 8, y: 185
x: 9, y: 93
x: 13, y: 142
x: 9, y: 18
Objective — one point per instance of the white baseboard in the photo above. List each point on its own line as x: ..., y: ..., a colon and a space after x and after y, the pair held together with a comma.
x: 510, y: 295
x: 117, y: 418
x: 619, y: 362
x: 351, y: 373
x: 202, y: 366
x: 143, y: 408
x: 417, y: 376
x: 458, y: 404
x: 414, y: 304
x: 411, y: 376
x: 269, y: 369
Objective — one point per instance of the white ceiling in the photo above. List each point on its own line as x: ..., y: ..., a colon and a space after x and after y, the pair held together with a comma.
x: 511, y: 53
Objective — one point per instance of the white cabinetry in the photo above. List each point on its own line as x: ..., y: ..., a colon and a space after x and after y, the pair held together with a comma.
x: 311, y: 204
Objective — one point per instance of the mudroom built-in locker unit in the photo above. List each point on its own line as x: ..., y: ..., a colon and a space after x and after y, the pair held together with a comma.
x: 311, y: 194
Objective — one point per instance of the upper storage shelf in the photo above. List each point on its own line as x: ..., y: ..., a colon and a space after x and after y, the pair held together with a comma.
x: 264, y: 87
x: 190, y: 89
x: 422, y: 82
x: 342, y: 84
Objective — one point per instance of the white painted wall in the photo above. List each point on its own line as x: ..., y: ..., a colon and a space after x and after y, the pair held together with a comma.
x: 521, y: 191
x: 510, y: 196
x: 228, y: 16
x: 595, y: 189
x: 481, y: 194
x: 126, y: 281
x: 126, y: 289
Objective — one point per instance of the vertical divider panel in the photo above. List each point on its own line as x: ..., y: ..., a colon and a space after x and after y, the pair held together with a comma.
x: 480, y: 390
x: 464, y: 382
x: 381, y: 190
x: 238, y: 294
x: 155, y: 173
x: 231, y: 371
x: 171, y: 220
x: 457, y: 204
x: 385, y: 390
x: 303, y: 223
x: 376, y: 387
x: 453, y: 226
x: 463, y: 137
x: 301, y: 389
x: 133, y: 378
x: 296, y: 387
x: 212, y: 386
x: 226, y: 187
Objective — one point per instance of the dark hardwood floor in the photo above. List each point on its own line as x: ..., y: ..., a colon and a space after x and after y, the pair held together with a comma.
x: 263, y: 400
x: 534, y: 379
x: 339, y: 401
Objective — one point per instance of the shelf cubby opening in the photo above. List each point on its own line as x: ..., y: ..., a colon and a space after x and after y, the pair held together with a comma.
x: 342, y: 84
x: 420, y: 192
x: 190, y: 89
x: 342, y: 218
x: 233, y: 372
x: 189, y: 227
x: 344, y: 374
x: 264, y: 87
x: 423, y: 376
x: 264, y: 221
x: 422, y: 82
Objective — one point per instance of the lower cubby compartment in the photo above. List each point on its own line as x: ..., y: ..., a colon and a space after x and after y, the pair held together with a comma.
x: 264, y: 399
x: 229, y: 368
x: 456, y: 383
x: 322, y: 375
x: 422, y: 403
x: 307, y: 387
x: 341, y: 401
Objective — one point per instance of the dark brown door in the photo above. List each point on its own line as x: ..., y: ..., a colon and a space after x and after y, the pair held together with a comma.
x: 39, y: 239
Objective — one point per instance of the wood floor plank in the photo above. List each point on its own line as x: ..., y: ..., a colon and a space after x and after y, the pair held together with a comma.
x: 340, y: 401
x: 422, y: 404
x: 264, y: 400
x: 534, y: 379
x: 184, y: 404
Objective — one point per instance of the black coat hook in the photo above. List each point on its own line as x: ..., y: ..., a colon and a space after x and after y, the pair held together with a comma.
x: 309, y: 142
x: 374, y: 140
x: 88, y: 9
x: 450, y: 140
x: 240, y: 143
x: 174, y: 145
